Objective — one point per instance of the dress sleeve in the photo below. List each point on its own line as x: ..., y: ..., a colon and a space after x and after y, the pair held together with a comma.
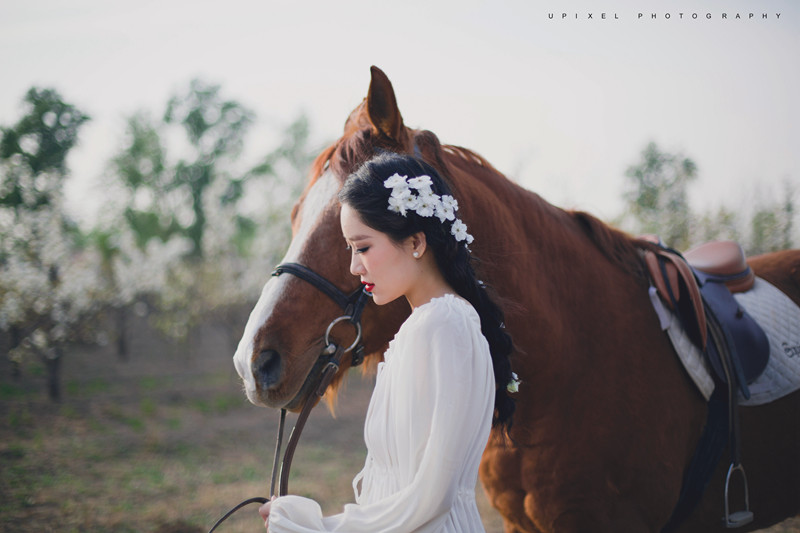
x: 450, y: 397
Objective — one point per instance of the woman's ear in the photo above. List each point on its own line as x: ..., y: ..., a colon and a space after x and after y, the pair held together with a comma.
x: 418, y: 244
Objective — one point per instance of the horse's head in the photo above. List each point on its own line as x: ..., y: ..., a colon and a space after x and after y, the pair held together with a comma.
x: 284, y: 336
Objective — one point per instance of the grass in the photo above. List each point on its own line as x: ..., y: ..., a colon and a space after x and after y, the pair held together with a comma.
x: 92, y: 387
x: 159, y: 453
x: 164, y: 445
x: 11, y: 391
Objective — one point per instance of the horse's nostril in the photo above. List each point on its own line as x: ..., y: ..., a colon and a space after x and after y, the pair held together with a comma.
x: 266, y: 368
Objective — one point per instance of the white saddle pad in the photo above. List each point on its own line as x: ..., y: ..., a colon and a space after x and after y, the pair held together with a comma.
x: 779, y: 317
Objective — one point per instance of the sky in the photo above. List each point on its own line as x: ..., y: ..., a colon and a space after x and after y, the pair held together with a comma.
x: 561, y: 102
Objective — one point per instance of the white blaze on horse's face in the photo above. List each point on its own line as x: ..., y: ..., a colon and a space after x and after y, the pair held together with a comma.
x: 321, y: 195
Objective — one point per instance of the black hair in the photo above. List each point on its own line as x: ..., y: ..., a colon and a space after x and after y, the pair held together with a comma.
x: 364, y: 191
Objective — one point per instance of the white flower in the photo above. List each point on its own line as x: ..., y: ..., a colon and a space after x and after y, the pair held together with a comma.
x: 395, y: 180
x: 446, y: 210
x: 513, y: 385
x: 459, y: 231
x: 410, y: 202
x: 396, y: 204
x: 401, y: 191
x: 440, y: 212
x: 401, y: 199
x: 450, y: 202
x: 421, y: 183
x: 427, y: 204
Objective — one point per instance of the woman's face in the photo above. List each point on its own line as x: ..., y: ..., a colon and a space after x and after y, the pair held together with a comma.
x: 388, y: 270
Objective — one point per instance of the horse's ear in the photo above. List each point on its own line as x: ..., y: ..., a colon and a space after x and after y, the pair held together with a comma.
x: 382, y: 106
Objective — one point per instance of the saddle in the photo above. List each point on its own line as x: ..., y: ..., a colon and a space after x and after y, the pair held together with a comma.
x: 699, y: 286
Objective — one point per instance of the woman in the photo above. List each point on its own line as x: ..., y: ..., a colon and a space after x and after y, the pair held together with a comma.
x: 443, y: 383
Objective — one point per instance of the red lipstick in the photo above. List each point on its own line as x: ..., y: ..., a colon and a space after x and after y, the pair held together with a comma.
x: 368, y: 286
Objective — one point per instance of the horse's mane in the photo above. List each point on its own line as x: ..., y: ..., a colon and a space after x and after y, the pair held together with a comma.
x: 619, y: 247
x: 351, y: 151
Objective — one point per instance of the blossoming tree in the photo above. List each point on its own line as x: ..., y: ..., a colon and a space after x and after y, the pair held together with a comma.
x: 49, y: 291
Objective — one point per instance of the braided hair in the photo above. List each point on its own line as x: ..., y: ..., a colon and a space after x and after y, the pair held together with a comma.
x: 364, y: 191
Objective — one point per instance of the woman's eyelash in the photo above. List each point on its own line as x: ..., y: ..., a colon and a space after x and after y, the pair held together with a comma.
x: 357, y: 250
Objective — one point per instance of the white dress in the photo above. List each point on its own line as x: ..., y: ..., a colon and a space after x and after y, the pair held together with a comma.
x: 426, y: 427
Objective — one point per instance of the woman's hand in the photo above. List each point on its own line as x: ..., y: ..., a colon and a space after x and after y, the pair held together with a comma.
x: 264, y: 511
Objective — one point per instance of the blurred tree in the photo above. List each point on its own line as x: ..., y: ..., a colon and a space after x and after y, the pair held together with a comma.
x: 657, y: 201
x: 39, y: 142
x: 141, y: 169
x: 248, y: 228
x: 657, y: 195
x: 771, y: 225
x: 169, y: 199
x: 48, y: 290
x: 180, y: 185
x: 722, y: 225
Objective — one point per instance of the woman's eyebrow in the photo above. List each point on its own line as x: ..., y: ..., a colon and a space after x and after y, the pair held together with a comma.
x: 356, y: 238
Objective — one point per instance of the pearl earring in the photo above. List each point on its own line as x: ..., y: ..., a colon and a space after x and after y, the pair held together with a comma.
x: 415, y: 254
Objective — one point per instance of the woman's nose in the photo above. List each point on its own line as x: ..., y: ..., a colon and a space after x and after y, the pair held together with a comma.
x: 356, y: 267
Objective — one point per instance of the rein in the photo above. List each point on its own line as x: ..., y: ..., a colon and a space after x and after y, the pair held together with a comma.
x: 330, y: 359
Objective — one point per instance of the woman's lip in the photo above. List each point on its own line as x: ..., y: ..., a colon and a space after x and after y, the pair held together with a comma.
x: 368, y: 286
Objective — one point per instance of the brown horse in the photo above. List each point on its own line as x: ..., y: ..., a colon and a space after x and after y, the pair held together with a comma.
x: 607, y: 419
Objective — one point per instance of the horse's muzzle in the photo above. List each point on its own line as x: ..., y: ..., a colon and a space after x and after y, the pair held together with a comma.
x: 266, y: 369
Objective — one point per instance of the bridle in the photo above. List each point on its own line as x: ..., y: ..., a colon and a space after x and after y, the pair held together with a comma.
x: 329, y: 361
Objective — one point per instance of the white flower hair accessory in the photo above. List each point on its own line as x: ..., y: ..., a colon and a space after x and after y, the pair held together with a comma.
x: 416, y: 195
x: 513, y: 385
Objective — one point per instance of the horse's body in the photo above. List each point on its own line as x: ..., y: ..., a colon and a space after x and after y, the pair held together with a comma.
x: 607, y: 420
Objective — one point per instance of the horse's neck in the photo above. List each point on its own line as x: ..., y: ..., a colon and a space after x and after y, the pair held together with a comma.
x: 541, y: 246
x: 527, y: 223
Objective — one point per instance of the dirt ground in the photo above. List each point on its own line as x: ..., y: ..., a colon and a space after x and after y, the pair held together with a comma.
x: 165, y: 442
